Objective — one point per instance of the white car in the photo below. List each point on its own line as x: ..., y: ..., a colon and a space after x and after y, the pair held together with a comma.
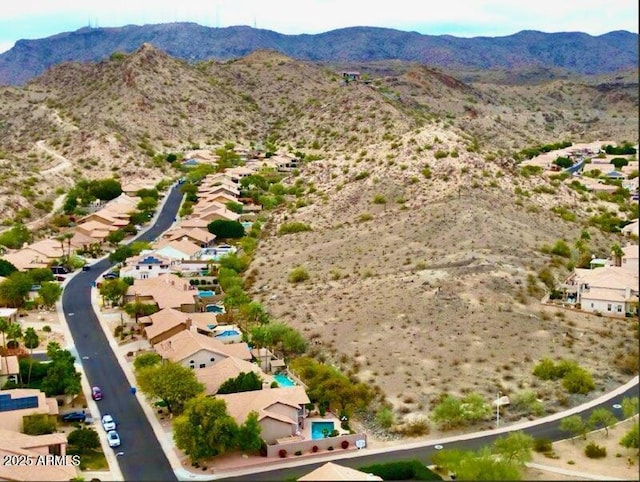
x: 108, y: 422
x: 113, y: 438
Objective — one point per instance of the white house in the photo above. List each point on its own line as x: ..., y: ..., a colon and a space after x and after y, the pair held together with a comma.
x: 147, y: 265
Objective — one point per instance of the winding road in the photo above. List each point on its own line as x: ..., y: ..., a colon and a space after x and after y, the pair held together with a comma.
x: 142, y: 457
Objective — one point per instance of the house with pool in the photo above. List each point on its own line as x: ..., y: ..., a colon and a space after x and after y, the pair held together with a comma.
x: 196, y: 351
x: 213, y: 376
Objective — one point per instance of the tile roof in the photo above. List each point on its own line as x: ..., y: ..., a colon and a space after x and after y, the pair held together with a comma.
x: 215, y: 375
x: 610, y: 277
x: 186, y: 343
x: 239, y: 405
x: 332, y: 471
x: 9, y: 365
x: 167, y: 290
x: 179, y: 249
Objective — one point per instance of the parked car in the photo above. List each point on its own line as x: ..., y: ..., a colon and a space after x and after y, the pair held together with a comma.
x: 110, y: 275
x: 74, y: 417
x: 113, y: 438
x: 59, y: 270
x: 108, y: 422
x: 96, y: 393
x: 86, y: 267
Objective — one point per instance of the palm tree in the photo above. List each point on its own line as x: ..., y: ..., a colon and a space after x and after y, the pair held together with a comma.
x: 31, y: 341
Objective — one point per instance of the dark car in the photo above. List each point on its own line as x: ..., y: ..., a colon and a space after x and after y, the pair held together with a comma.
x: 59, y: 270
x: 86, y: 267
x: 74, y: 417
x: 96, y: 393
x: 110, y: 275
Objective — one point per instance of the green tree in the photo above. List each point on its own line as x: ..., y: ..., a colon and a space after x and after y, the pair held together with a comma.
x: 629, y: 406
x: 631, y: 439
x: 14, y: 331
x: 16, y: 237
x: 62, y: 377
x: 146, y: 360
x: 244, y: 382
x: 84, y: 439
x: 40, y: 275
x: 235, y: 207
x: 50, y: 292
x: 619, y: 162
x: 121, y: 253
x: 453, y: 412
x: 480, y: 465
x: 15, y: 288
x: 114, y: 237
x: 575, y: 425
x: 254, y: 312
x: 224, y: 229
x: 515, y: 447
x: 31, y: 341
x: 105, y: 189
x: 144, y: 193
x: 563, y: 162
x: 205, y: 429
x: 6, y: 268
x: 249, y: 439
x: 147, y: 204
x: 38, y: 424
x: 170, y: 382
x: 113, y: 290
x: 139, y: 308
x: 602, y: 418
x: 527, y: 402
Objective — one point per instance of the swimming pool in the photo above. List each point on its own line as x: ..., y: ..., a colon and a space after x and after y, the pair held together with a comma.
x: 206, y: 294
x: 215, y: 309
x: 283, y: 380
x: 318, y: 429
x: 228, y: 333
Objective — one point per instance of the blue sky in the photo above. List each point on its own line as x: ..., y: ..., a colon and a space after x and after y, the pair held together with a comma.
x: 31, y: 19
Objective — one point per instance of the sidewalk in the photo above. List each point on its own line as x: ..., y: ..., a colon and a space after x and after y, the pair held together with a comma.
x: 569, y: 473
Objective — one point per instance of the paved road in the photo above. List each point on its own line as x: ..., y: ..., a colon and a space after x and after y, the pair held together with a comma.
x: 143, y: 457
x: 548, y: 430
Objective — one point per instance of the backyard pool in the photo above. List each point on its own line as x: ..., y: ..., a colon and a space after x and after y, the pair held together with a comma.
x: 228, y: 333
x: 215, y: 309
x: 320, y: 429
x: 283, y: 380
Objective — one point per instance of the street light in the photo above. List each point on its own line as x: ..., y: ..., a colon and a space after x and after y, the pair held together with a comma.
x: 498, y: 410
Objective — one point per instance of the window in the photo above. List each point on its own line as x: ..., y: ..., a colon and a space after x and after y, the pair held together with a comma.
x: 591, y: 305
x: 619, y: 308
x: 138, y: 267
x: 202, y: 365
x: 212, y: 359
x: 150, y: 267
x: 609, y: 307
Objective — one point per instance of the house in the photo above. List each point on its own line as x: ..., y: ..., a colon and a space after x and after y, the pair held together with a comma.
x: 106, y: 217
x: 131, y: 187
x: 350, y: 76
x: 213, y: 376
x: 631, y: 229
x: 228, y: 187
x: 176, y: 250
x: 26, y: 259
x: 615, y: 175
x: 145, y: 266
x: 331, y: 471
x: 193, y: 222
x: 17, y: 403
x: 96, y: 230
x: 237, y: 173
x: 167, y: 322
x: 611, y: 290
x: 9, y: 369
x: 40, y: 450
x: 281, y: 411
x: 214, y: 211
x: 629, y: 259
x: 166, y: 291
x: 199, y: 236
x: 194, y: 350
x: 215, y: 197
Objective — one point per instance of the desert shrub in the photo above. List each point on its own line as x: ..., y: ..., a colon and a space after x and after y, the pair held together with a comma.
x: 379, y: 199
x: 561, y: 248
x: 294, y: 227
x: 282, y: 453
x: 542, y: 445
x: 344, y: 444
x: 578, y: 380
x: 298, y: 452
x: 298, y: 275
x: 440, y: 154
x: 314, y: 449
x: 595, y: 451
x: 38, y: 424
x: 527, y: 402
x: 385, y: 417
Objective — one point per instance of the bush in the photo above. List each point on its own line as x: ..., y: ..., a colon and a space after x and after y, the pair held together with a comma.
x: 344, y: 444
x: 298, y: 452
x: 38, y: 424
x: 542, y: 445
x: 298, y: 275
x: 594, y: 451
x: 330, y: 447
x: 282, y: 453
x: 578, y: 380
x: 294, y: 227
x: 314, y: 449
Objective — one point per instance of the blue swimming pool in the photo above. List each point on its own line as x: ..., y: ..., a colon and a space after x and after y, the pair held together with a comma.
x: 284, y: 381
x: 228, y: 333
x: 215, y: 309
x: 319, y: 429
x: 206, y: 294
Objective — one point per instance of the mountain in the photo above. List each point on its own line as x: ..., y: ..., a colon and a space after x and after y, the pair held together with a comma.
x: 573, y: 51
x: 425, y: 248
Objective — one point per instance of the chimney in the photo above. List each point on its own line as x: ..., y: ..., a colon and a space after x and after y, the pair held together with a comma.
x: 187, y: 322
